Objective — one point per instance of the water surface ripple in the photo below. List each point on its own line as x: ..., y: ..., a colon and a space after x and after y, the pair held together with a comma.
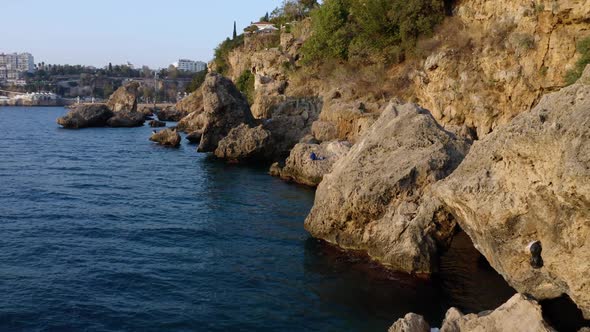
x: 104, y: 231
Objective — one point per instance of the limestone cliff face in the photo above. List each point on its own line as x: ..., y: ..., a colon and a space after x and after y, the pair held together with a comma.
x: 497, y: 58
x: 530, y: 181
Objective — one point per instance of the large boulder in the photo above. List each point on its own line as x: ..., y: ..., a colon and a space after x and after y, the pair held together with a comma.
x: 192, y: 122
x: 126, y: 119
x: 291, y: 121
x: 191, y: 103
x: 530, y: 181
x: 300, y: 167
x: 518, y: 314
x: 373, y: 198
x: 245, y: 144
x: 224, y: 108
x: 167, y: 137
x: 83, y: 116
x: 125, y: 98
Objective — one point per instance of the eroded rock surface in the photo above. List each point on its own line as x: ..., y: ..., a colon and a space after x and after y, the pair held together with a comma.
x: 224, y: 108
x: 517, y: 314
x: 530, y: 181
x: 125, y: 98
x: 167, y: 137
x: 410, y: 323
x: 373, y: 198
x: 300, y: 167
x: 245, y: 144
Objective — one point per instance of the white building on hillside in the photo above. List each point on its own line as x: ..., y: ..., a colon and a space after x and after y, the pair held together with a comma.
x: 13, y: 66
x: 190, y: 65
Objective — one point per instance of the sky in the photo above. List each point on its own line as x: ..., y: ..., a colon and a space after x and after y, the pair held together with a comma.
x: 143, y: 32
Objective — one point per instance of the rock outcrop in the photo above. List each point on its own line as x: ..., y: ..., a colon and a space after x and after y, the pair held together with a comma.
x: 518, y: 314
x: 192, y: 122
x: 224, y: 108
x: 291, y: 121
x: 126, y: 119
x: 191, y: 103
x: 372, y: 200
x: 300, y: 167
x: 83, y: 116
x: 530, y: 181
x: 497, y: 58
x: 410, y: 323
x: 244, y: 144
x: 167, y: 137
x: 125, y: 98
x: 169, y: 113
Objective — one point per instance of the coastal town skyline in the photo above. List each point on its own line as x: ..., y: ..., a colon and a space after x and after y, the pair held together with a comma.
x: 122, y: 32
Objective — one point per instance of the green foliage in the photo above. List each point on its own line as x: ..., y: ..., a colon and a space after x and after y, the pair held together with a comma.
x: 196, y: 82
x: 583, y: 48
x: 291, y: 10
x: 222, y: 52
x: 374, y: 31
x: 245, y: 83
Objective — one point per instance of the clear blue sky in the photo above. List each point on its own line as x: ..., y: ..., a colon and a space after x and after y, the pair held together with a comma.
x: 143, y: 32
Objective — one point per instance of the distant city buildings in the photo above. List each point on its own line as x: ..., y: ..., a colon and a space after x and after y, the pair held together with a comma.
x: 190, y: 65
x: 14, y: 66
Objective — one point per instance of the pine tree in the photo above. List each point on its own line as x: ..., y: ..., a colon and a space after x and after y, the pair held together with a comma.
x: 235, y: 31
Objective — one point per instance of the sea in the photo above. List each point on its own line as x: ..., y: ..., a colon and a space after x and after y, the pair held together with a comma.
x: 103, y: 230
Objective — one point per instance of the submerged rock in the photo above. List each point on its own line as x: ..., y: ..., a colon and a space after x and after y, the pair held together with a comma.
x: 530, y: 181
x: 83, y: 116
x: 300, y: 167
x: 126, y: 119
x: 166, y: 137
x: 224, y: 108
x: 245, y: 144
x: 125, y: 98
x: 373, y: 198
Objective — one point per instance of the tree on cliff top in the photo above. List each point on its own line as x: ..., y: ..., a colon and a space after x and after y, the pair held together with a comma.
x: 374, y: 31
x: 235, y: 34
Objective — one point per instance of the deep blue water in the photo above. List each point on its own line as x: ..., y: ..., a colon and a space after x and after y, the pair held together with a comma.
x: 102, y: 230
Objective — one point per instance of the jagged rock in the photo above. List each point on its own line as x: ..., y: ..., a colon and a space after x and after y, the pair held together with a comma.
x: 372, y: 200
x: 191, y: 103
x: 83, y: 116
x: 518, y: 314
x: 156, y: 124
x: 169, y: 113
x: 410, y: 323
x: 302, y: 169
x: 192, y: 122
x: 224, y: 108
x: 125, y: 98
x: 194, y: 137
x: 146, y: 110
x: 245, y: 144
x: 530, y: 181
x: 290, y: 122
x: 166, y: 137
x: 126, y: 119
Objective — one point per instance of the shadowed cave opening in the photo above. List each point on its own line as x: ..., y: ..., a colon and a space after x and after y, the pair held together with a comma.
x: 563, y: 314
x: 467, y: 278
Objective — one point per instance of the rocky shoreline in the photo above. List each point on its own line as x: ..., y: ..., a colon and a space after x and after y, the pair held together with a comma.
x: 398, y: 180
